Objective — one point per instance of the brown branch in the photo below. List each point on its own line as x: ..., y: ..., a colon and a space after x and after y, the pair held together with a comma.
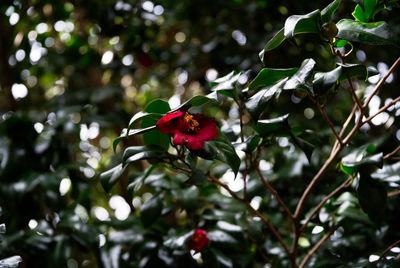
x: 317, y: 246
x: 387, y: 250
x: 355, y: 97
x: 259, y: 249
x: 273, y: 191
x: 393, y: 193
x: 323, y: 201
x: 380, y: 83
x: 381, y: 110
x: 327, y: 120
x: 254, y: 211
x: 389, y: 155
x: 345, y: 125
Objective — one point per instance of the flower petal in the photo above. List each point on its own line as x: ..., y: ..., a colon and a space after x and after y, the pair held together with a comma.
x: 207, y: 129
x: 167, y: 123
x: 190, y: 141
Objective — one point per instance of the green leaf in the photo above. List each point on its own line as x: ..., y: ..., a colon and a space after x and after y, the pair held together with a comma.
x: 373, y: 33
x: 135, y: 153
x: 270, y: 126
x: 259, y: 101
x: 110, y: 177
x: 154, y: 136
x: 364, y: 13
x: 222, y: 238
x: 220, y: 149
x: 299, y: 24
x: 197, y: 177
x: 304, y: 145
x: 267, y: 77
x: 2, y: 228
x: 354, y: 163
x: 226, y: 85
x: 189, y: 198
x: 131, y: 133
x: 389, y: 173
x: 329, y: 10
x: 142, y: 115
x: 274, y: 42
x: 10, y: 262
x: 137, y: 180
x: 323, y: 81
x: 157, y: 106
x: 194, y: 102
x: 151, y: 210
x: 372, y: 196
x: 302, y: 79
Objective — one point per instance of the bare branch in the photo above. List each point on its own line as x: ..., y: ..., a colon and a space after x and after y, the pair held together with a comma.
x: 273, y: 191
x: 387, y: 250
x: 355, y: 97
x: 381, y: 110
x: 380, y: 83
x: 317, y: 246
x: 395, y: 151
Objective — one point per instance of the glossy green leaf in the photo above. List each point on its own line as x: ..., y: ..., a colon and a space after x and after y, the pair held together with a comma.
x: 302, y: 79
x: 194, y: 102
x: 142, y: 115
x: 299, y: 24
x: 135, y: 153
x: 150, y: 210
x: 269, y: 126
x: 304, y: 145
x: 222, y: 259
x: 274, y: 42
x: 373, y: 33
x: 110, y: 177
x: 323, y: 81
x: 389, y: 173
x: 329, y: 10
x: 189, y: 198
x: 222, y: 237
x: 267, y: 77
x: 372, y: 196
x: 157, y: 106
x: 259, y: 101
x: 132, y: 132
x: 136, y: 180
x: 220, y: 149
x: 226, y: 85
x: 197, y: 177
x: 352, y: 163
x: 365, y: 12
x: 10, y: 262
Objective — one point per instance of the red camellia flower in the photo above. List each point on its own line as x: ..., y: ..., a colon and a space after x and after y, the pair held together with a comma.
x: 199, y: 240
x: 191, y: 130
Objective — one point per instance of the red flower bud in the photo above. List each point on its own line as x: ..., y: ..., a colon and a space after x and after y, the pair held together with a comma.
x: 191, y: 130
x: 199, y: 240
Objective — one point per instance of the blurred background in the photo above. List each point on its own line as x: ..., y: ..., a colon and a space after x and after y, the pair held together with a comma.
x: 72, y: 74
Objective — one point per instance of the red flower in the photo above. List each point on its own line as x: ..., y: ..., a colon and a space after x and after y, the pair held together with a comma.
x: 191, y: 130
x: 199, y: 240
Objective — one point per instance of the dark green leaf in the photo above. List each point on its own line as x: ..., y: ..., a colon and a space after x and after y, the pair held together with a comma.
x: 189, y: 198
x: 110, y: 177
x: 304, y: 145
x: 222, y: 259
x: 269, y: 126
x: 221, y: 237
x: 154, y: 136
x: 302, y: 79
x: 350, y: 164
x: 150, y: 210
x: 365, y: 12
x: 259, y: 101
x: 373, y: 33
x: 353, y: 70
x: 131, y: 133
x: 275, y: 41
x: 142, y: 115
x: 226, y: 85
x: 372, y: 196
x: 220, y: 149
x: 194, y: 102
x: 10, y: 262
x: 329, y: 10
x: 299, y: 24
x: 267, y: 77
x: 137, y: 180
x: 197, y: 177
x: 135, y: 153
x: 157, y: 106
x: 389, y: 173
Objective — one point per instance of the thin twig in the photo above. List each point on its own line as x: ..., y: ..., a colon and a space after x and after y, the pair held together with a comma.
x: 380, y: 83
x: 317, y: 246
x: 323, y: 201
x: 345, y: 125
x: 381, y: 110
x: 387, y: 250
x: 393, y: 193
x: 259, y: 249
x: 273, y: 191
x: 389, y: 155
x: 254, y: 211
x: 355, y: 97
x: 327, y: 120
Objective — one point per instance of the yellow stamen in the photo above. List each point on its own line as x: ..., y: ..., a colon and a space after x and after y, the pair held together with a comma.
x: 191, y: 123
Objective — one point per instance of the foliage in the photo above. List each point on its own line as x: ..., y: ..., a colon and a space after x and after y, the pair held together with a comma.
x: 304, y: 171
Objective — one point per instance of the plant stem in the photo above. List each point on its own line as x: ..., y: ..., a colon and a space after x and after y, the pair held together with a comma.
x: 254, y: 211
x: 381, y: 110
x: 389, y: 155
x: 327, y: 120
x: 387, y: 250
x: 317, y: 246
x: 273, y: 191
x: 380, y: 83
x: 323, y: 201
